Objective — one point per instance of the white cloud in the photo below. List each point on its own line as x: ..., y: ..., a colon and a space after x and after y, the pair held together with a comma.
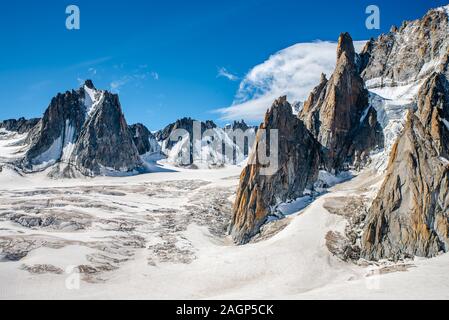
x: 137, y: 79
x: 92, y: 71
x: 294, y: 72
x: 116, y: 85
x: 222, y: 72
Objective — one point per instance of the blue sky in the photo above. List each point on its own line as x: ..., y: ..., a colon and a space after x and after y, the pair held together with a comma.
x: 164, y: 57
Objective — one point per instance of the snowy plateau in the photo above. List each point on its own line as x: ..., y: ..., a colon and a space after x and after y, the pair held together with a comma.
x: 163, y: 236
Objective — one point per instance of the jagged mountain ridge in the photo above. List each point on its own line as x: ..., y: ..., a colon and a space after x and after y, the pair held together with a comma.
x: 144, y: 139
x: 334, y: 110
x: 394, y: 67
x: 409, y: 53
x: 209, y: 145
x: 20, y: 125
x: 298, y: 166
x: 84, y: 132
x: 335, y: 128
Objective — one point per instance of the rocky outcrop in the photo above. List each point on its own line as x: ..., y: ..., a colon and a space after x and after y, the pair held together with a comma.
x: 105, y: 144
x: 433, y: 111
x: 240, y: 125
x: 144, y: 140
x: 84, y: 132
x: 335, y: 109
x: 194, y: 144
x: 58, y: 128
x: 186, y: 124
x: 410, y: 215
x: 335, y: 128
x: 20, y: 126
x: 192, y: 130
x: 409, y: 53
x: 367, y: 137
x: 298, y: 166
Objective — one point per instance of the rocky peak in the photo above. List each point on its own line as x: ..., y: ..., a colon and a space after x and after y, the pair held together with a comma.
x: 345, y: 47
x: 334, y: 108
x: 89, y: 84
x: 365, y: 55
x: 411, y: 53
x: 195, y: 130
x: 143, y: 139
x: 316, y: 94
x: 410, y: 215
x: 82, y: 133
x: 183, y: 124
x: 298, y: 165
x: 60, y: 126
x: 240, y: 125
x: 105, y: 144
x: 20, y: 126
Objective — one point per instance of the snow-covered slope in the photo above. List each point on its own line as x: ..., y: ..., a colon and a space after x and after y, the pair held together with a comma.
x: 12, y: 145
x: 140, y: 237
x: 392, y: 105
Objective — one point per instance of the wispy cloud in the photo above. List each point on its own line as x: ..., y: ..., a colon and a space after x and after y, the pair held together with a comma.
x: 137, y: 79
x: 92, y: 71
x: 223, y: 72
x: 294, y: 72
x: 116, y: 85
x: 89, y: 63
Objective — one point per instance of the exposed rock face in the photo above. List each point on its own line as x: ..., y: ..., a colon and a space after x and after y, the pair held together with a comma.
x: 240, y: 125
x: 209, y: 145
x: 166, y: 138
x: 335, y: 107
x: 182, y: 124
x: 82, y: 131
x: 367, y: 137
x: 336, y: 127
x: 59, y: 127
x: 298, y: 166
x: 143, y: 139
x: 105, y: 143
x: 433, y: 110
x: 408, y: 54
x: 20, y: 126
x: 410, y: 215
x: 243, y: 127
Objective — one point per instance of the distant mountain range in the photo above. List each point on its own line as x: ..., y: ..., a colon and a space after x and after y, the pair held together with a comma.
x: 84, y: 132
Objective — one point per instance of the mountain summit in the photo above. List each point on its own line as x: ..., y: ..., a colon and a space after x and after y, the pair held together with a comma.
x: 84, y: 132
